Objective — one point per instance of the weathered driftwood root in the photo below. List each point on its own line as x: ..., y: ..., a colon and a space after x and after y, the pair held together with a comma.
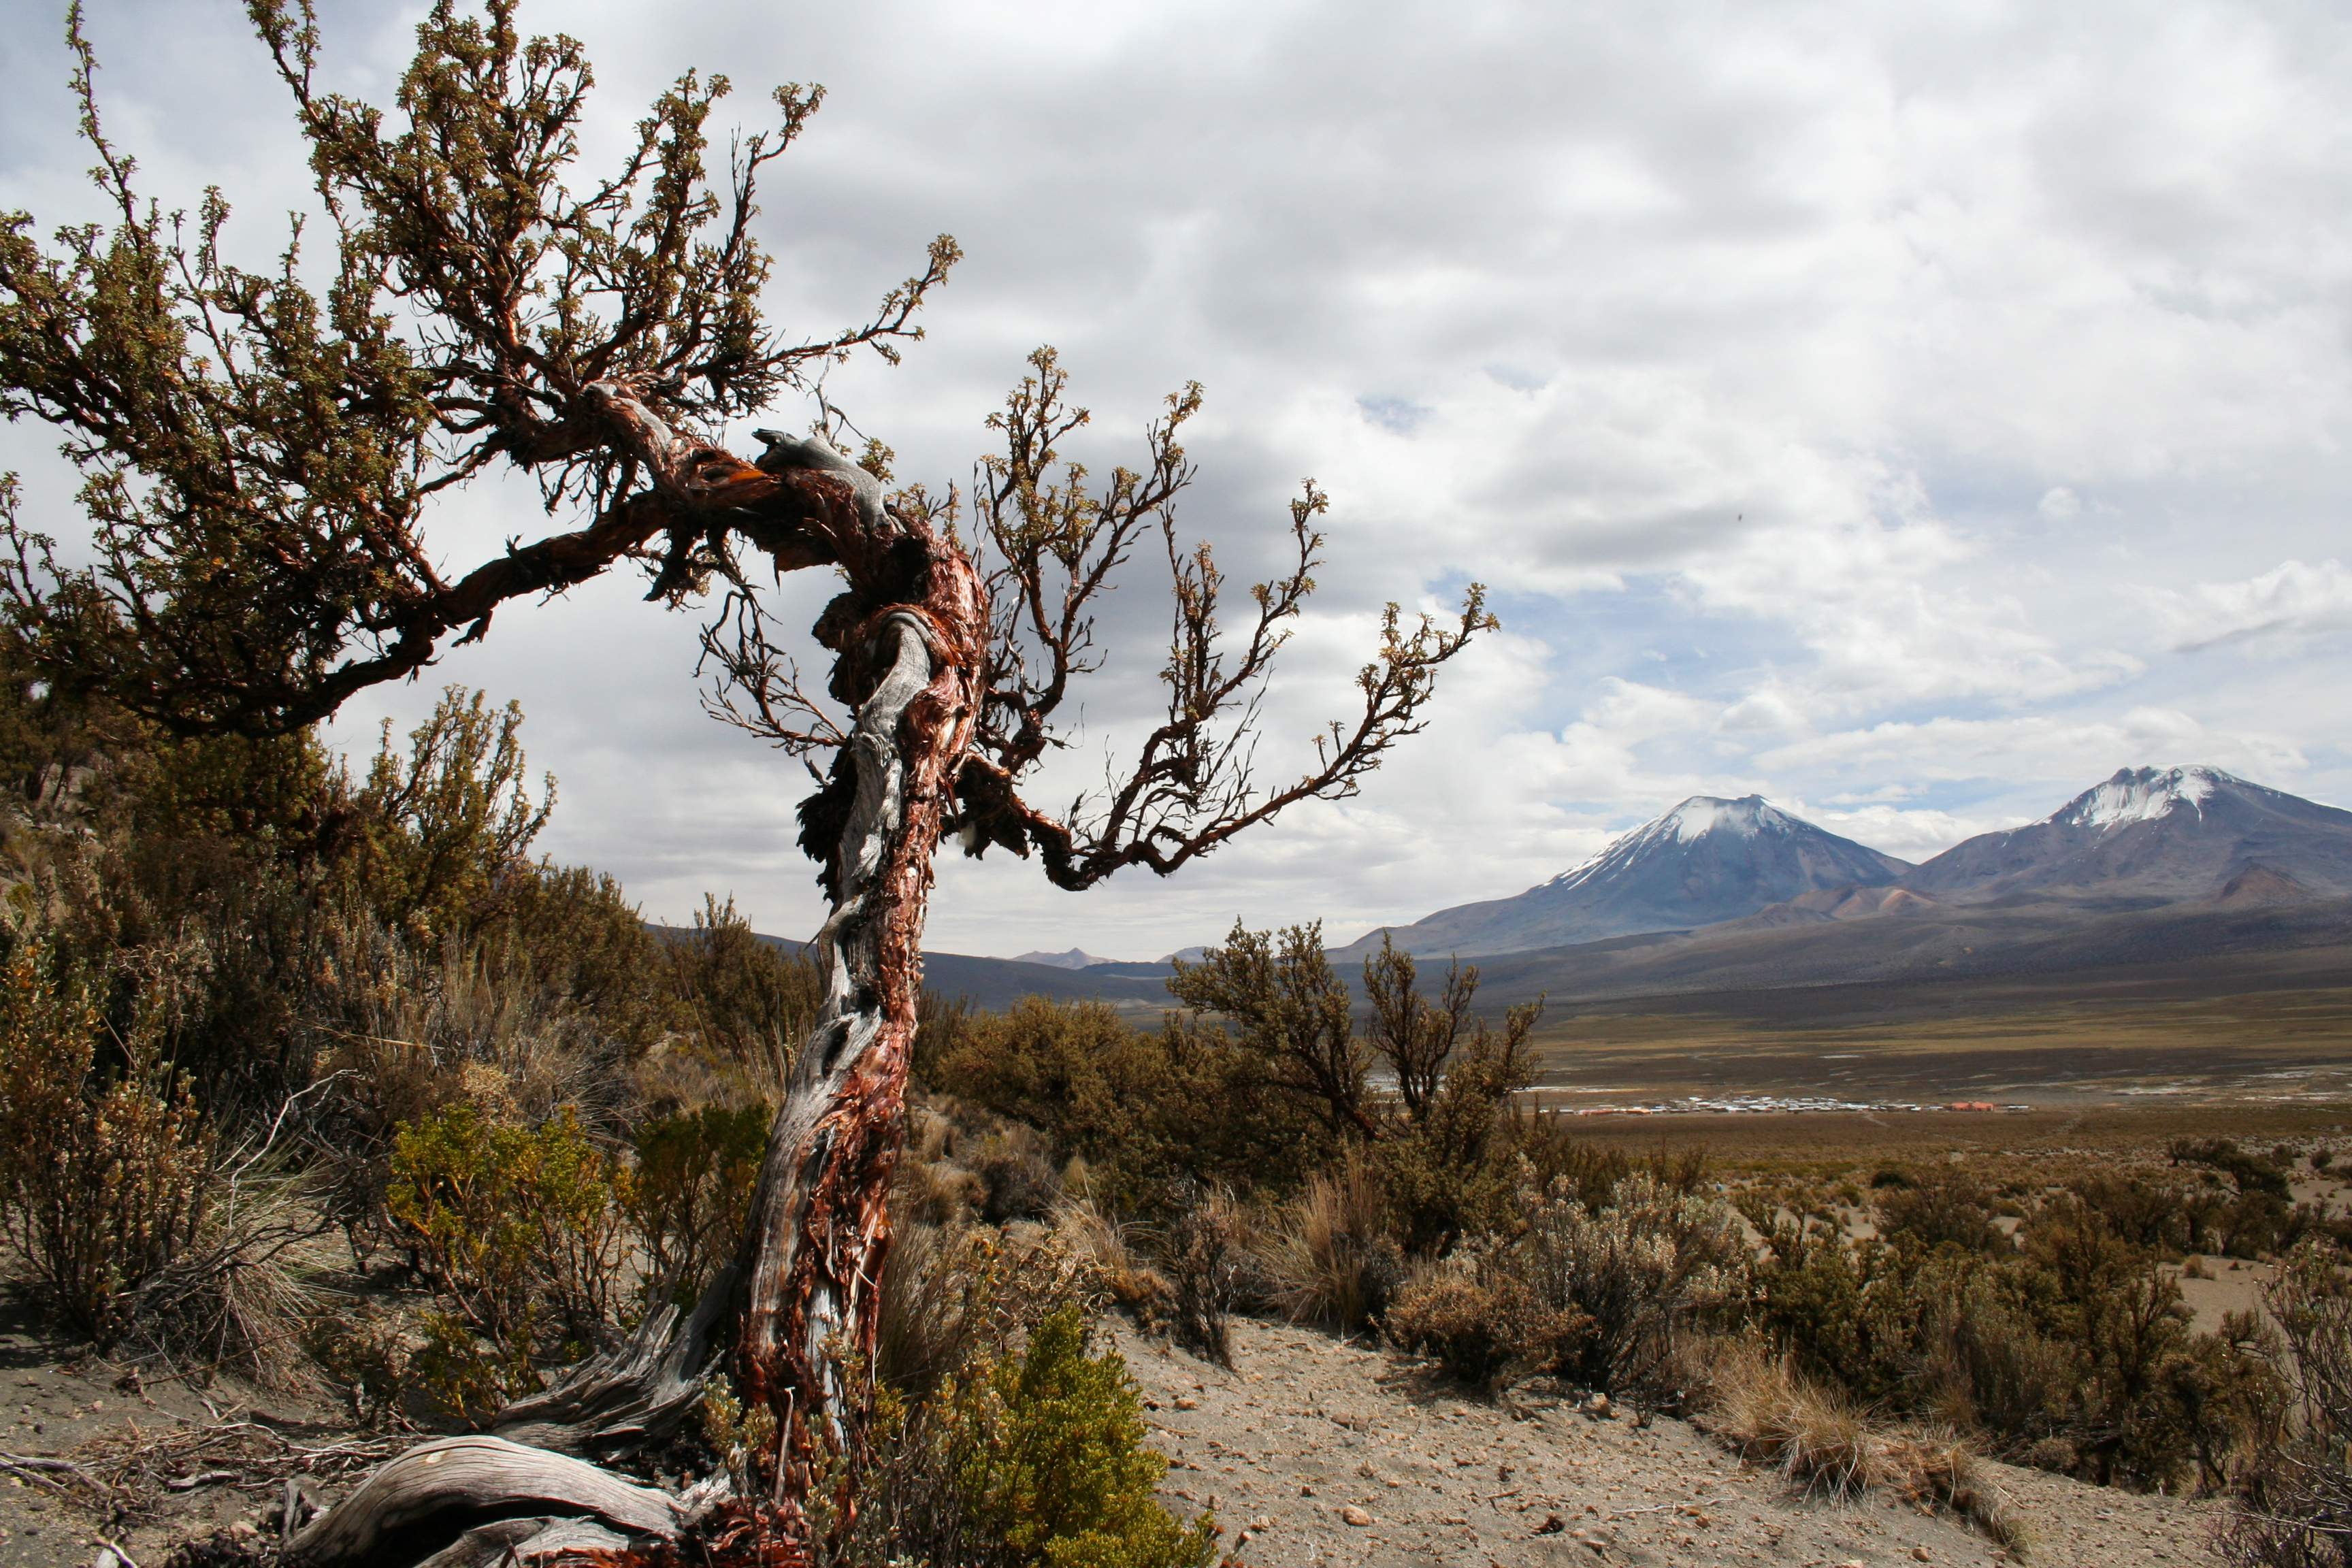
x: 427, y: 1501
x: 532, y: 1543
x: 630, y: 1397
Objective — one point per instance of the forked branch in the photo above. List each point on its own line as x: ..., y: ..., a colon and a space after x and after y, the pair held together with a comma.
x: 1191, y: 787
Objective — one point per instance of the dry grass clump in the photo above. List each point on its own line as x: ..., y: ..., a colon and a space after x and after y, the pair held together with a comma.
x: 1764, y: 1411
x: 950, y: 1296
x: 1133, y: 1284
x: 1327, y: 1256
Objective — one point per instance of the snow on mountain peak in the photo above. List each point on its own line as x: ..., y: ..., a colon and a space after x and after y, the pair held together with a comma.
x: 2141, y: 794
x: 1692, y: 820
x: 1705, y: 814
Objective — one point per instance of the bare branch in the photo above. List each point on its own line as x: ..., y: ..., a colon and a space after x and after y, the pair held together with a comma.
x: 1191, y: 787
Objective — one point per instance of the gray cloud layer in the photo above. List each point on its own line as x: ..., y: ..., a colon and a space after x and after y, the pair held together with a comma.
x: 1911, y: 412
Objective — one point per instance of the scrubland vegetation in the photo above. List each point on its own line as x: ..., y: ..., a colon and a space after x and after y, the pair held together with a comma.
x: 310, y: 1074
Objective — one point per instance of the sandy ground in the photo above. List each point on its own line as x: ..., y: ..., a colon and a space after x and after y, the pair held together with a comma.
x: 1313, y: 1450
x: 1304, y: 1429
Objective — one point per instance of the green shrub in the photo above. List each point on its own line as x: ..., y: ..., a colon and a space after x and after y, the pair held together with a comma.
x: 747, y: 1000
x: 2071, y: 1349
x: 1942, y: 1211
x: 1154, y: 1115
x: 1055, y: 1461
x: 689, y: 1193
x: 442, y: 830
x: 104, y: 1177
x: 520, y: 1233
x: 1035, y: 1460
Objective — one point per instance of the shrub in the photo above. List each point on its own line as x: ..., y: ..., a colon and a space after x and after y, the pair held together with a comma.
x: 366, y: 1358
x: 1153, y: 1115
x: 1031, y: 1460
x: 2071, y: 1350
x: 443, y: 828
x: 105, y: 1176
x: 1600, y: 1294
x: 1945, y: 1211
x: 116, y: 1195
x: 1444, y: 1143
x: 748, y: 1000
x: 1203, y: 1251
x: 689, y: 1192
x: 1017, y: 1177
x: 1639, y: 1268
x: 1482, y: 1322
x: 2295, y: 1507
x: 519, y: 1232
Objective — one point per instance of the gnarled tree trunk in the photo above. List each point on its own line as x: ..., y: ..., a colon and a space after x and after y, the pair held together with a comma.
x: 812, y: 1252
x: 801, y: 1299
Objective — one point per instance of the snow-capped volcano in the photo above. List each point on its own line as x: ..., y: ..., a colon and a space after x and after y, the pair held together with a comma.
x: 2142, y: 795
x: 2158, y: 834
x: 1708, y: 860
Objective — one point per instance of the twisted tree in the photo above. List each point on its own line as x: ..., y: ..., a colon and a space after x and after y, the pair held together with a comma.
x: 259, y: 459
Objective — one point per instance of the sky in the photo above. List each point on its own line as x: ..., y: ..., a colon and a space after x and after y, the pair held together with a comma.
x: 1912, y: 413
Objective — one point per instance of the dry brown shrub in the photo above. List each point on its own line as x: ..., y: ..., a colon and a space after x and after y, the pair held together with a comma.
x: 1016, y: 1173
x: 1480, y: 1323
x: 1204, y: 1252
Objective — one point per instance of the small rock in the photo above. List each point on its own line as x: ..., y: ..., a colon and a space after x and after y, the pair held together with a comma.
x: 1599, y: 1408
x: 1305, y: 1492
x: 1186, y: 1402
x: 1355, y: 1515
x: 1920, y: 1552
x: 1552, y: 1525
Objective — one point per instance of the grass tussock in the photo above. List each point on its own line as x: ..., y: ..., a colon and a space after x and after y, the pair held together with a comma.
x: 1327, y: 1256
x: 1770, y: 1414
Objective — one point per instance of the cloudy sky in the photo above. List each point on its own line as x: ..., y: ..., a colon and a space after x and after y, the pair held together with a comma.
x: 1912, y: 413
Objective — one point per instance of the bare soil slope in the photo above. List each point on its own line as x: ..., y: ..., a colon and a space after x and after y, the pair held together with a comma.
x: 1306, y: 1428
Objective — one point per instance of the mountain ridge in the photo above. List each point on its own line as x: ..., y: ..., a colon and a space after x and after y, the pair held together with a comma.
x: 2151, y: 833
x: 1708, y: 860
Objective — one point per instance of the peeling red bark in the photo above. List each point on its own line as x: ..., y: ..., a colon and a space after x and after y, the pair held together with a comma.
x: 818, y: 1229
